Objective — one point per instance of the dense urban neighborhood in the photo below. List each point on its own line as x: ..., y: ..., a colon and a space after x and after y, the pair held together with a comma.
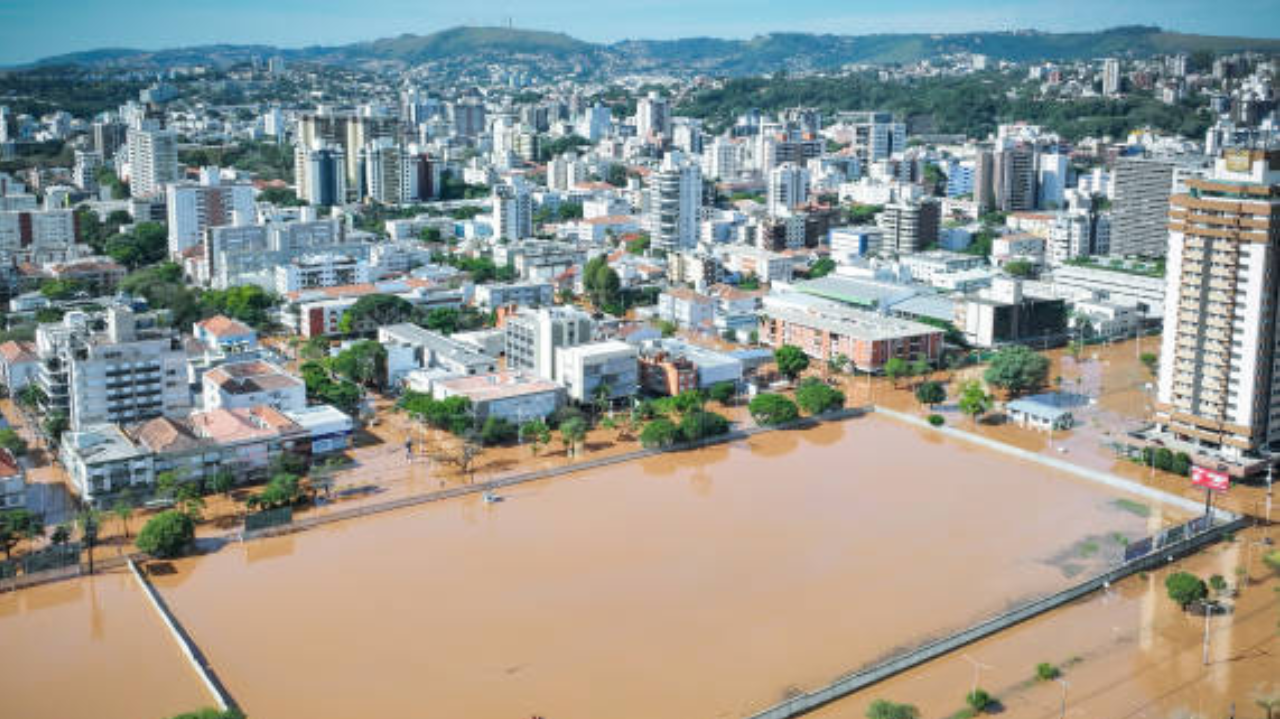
x: 252, y: 292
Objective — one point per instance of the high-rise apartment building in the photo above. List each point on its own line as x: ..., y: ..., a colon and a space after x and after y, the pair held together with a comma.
x: 909, y: 226
x: 108, y: 137
x: 153, y: 161
x: 653, y: 117
x: 788, y: 188
x: 512, y: 211
x: 1111, y: 76
x: 1141, y: 207
x: 130, y: 371
x: 875, y: 135
x: 321, y: 175
x: 194, y: 207
x: 1219, y: 384
x: 386, y: 173
x: 1014, y: 178
x: 673, y: 204
x: 85, y: 172
x: 37, y: 236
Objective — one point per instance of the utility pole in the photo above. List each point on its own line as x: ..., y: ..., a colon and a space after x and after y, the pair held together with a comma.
x: 977, y: 668
x: 1063, y: 713
x: 1205, y: 658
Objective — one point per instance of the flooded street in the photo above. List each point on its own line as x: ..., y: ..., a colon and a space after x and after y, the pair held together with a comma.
x: 708, y: 583
x: 90, y: 647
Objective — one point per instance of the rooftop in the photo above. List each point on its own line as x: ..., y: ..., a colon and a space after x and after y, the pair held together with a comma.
x: 249, y: 377
x: 223, y: 326
x: 833, y: 317
x: 498, y: 385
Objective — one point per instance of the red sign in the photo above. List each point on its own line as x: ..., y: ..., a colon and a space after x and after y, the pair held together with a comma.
x: 1210, y: 478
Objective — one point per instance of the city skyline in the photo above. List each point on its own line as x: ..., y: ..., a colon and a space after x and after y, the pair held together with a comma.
x: 294, y: 24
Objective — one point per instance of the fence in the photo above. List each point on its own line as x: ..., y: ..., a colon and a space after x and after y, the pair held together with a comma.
x: 863, y: 678
x: 45, y: 565
x: 267, y: 518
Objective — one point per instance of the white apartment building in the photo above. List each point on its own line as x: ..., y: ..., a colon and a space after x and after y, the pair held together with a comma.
x: 320, y: 270
x: 788, y: 188
x: 673, y: 204
x: 1219, y: 388
x: 520, y: 294
x: 125, y: 373
x: 194, y: 207
x: 153, y: 161
x: 39, y: 237
x: 512, y: 211
x: 653, y: 116
x: 242, y: 385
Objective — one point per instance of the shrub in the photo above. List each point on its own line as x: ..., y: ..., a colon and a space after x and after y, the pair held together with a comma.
x: 1185, y: 588
x: 978, y: 699
x: 882, y: 709
x: 722, y: 392
x: 1046, y: 672
x: 931, y: 393
x: 497, y: 430
x: 1272, y: 560
x: 659, y: 433
x: 281, y: 491
x: 937, y: 420
x: 815, y: 397
x: 770, y: 409
x: 167, y: 534
x: 791, y: 361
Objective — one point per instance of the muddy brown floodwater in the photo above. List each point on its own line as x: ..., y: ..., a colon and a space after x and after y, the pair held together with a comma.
x: 91, y: 647
x: 697, y: 584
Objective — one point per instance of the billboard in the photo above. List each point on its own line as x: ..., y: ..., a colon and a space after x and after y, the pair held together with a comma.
x: 1210, y: 479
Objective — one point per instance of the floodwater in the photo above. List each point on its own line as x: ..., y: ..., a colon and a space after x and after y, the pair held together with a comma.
x: 91, y: 647
x: 1129, y: 652
x: 699, y: 584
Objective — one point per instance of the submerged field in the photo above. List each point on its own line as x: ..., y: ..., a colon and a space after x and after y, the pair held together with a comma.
x: 707, y: 583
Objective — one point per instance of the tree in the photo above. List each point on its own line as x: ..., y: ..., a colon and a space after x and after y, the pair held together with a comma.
x: 89, y: 521
x: 1268, y: 703
x: 1017, y: 370
x: 283, y: 490
x: 771, y: 409
x: 978, y: 699
x: 1150, y: 360
x: 537, y: 432
x: 974, y: 401
x: 146, y: 245
x: 838, y: 363
x: 16, y: 525
x: 883, y: 709
x: 12, y: 441
x: 822, y: 268
x: 896, y: 368
x: 61, y: 535
x: 211, y: 713
x: 815, y: 397
x: 54, y: 425
x: 1185, y: 588
x: 572, y: 432
x: 363, y: 362
x: 373, y: 311
x: 931, y: 393
x: 1047, y: 672
x: 722, y: 392
x: 699, y: 424
x: 1019, y: 268
x: 123, y: 509
x: 167, y: 534
x: 659, y: 433
x: 791, y: 361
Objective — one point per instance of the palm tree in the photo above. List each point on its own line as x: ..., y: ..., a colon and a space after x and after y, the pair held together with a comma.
x: 1268, y: 703
x: 602, y: 396
x: 123, y: 509
x: 88, y: 519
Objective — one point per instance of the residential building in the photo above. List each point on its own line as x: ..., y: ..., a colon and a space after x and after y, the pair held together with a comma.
x: 255, y: 383
x: 194, y: 207
x: 930, y: 267
x: 13, y: 482
x: 320, y: 270
x: 1218, y: 384
x: 1078, y: 234
x: 428, y: 349
x: 1111, y: 77
x: 908, y: 227
x: 588, y: 369
x: 322, y: 177
x: 686, y: 309
x: 131, y: 371
x: 788, y: 188
x: 519, y: 294
x: 673, y: 203
x: 330, y: 430
x: 223, y: 334
x: 653, y: 117
x: 153, y: 161
x: 512, y: 211
x: 39, y: 237
x: 19, y: 365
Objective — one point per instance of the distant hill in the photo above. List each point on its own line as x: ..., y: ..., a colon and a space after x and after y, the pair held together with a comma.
x: 762, y: 54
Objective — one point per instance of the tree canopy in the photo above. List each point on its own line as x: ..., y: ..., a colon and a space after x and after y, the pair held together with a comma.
x: 1017, y: 370
x: 167, y: 534
x: 791, y: 361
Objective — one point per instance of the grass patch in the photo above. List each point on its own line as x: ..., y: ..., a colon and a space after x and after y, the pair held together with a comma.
x: 1120, y: 539
x: 1132, y: 507
x: 1088, y: 548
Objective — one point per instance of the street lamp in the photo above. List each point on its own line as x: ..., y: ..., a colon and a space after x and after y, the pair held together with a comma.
x: 977, y: 668
x: 1063, y: 713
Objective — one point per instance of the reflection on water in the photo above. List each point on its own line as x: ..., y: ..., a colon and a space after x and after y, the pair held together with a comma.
x: 89, y: 648
x: 612, y: 594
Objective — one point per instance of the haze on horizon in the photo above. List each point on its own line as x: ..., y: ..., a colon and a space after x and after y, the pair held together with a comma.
x: 29, y: 30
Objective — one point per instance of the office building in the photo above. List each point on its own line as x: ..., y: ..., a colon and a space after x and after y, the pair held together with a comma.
x: 534, y: 337
x: 610, y: 368
x: 1218, y: 380
x: 1140, y: 210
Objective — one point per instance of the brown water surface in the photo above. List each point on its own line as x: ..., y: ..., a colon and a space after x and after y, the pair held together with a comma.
x: 697, y: 584
x: 91, y: 647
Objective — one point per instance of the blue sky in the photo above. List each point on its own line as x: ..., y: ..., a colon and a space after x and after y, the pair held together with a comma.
x: 31, y: 29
